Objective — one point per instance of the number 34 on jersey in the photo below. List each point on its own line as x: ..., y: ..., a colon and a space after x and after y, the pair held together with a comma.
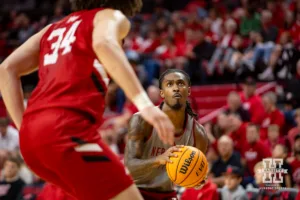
x: 62, y: 42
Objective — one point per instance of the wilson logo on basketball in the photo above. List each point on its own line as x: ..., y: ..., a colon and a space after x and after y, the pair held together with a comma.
x: 187, y: 163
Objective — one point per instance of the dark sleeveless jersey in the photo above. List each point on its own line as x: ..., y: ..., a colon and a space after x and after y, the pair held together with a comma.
x: 154, y: 147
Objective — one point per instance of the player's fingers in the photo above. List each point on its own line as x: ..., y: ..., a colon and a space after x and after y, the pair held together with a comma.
x: 169, y: 160
x: 179, y: 146
x: 175, y: 149
x: 173, y: 155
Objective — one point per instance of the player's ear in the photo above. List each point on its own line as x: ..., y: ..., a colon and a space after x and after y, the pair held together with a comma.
x: 162, y: 95
x: 189, y: 91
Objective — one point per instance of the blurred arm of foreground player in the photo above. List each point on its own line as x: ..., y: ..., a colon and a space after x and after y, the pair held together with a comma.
x: 110, y: 28
x: 22, y: 61
x: 138, y: 133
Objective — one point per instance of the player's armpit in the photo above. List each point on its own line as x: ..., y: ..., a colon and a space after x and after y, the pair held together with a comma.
x: 138, y: 132
x: 201, y: 138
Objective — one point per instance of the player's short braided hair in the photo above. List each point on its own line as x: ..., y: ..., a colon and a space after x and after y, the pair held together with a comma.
x: 188, y: 109
x: 128, y: 7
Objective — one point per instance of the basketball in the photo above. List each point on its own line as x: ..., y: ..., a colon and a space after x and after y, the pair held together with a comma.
x: 189, y: 168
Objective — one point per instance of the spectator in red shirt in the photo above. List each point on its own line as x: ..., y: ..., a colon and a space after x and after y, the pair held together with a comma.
x: 238, y: 133
x: 253, y: 150
x: 225, y: 42
x: 150, y: 43
x: 168, y: 49
x: 252, y: 102
x: 186, y: 47
x: 208, y: 191
x: 273, y: 115
x: 295, y: 131
x: 295, y: 162
x: 273, y: 137
x: 210, y: 36
x: 295, y: 31
x: 235, y: 107
x: 277, y: 12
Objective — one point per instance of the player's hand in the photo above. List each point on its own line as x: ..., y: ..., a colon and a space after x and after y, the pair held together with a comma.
x: 161, y: 122
x: 201, y: 184
x: 165, y: 157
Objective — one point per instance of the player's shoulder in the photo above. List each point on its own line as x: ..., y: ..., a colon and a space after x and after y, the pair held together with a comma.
x: 202, y: 141
x: 200, y: 131
x: 109, y: 13
x: 137, y: 122
x: 198, y: 127
x: 137, y: 119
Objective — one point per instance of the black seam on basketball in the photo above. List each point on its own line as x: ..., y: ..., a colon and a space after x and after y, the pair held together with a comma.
x: 193, y: 182
x: 191, y: 170
x: 95, y: 159
x: 169, y: 173
x: 178, y: 164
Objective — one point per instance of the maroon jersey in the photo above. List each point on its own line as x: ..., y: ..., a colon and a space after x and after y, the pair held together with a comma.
x: 70, y: 74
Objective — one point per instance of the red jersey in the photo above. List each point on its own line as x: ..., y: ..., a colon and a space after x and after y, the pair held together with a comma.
x: 239, y: 137
x: 254, y: 153
x: 295, y: 165
x: 274, y: 117
x: 70, y: 74
x: 292, y: 134
x: 208, y: 191
x: 255, y: 107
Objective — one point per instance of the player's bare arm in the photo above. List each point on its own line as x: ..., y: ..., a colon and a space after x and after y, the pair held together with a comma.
x: 139, y: 131
x: 22, y: 61
x: 111, y: 27
x: 202, y: 142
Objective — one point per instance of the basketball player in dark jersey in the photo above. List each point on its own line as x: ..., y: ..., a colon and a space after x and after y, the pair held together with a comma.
x: 146, y: 156
x: 59, y: 140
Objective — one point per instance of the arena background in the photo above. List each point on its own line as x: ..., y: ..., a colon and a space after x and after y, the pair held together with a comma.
x: 230, y: 49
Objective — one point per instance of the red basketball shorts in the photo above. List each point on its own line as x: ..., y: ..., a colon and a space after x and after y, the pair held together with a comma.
x: 63, y: 148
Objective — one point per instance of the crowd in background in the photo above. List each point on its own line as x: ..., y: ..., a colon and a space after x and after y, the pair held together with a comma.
x: 214, y: 42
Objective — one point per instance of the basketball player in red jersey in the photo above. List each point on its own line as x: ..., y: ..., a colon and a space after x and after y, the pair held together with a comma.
x: 146, y: 156
x: 58, y: 131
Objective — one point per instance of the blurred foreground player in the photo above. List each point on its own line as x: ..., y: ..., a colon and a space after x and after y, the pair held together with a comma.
x: 58, y: 136
x: 146, y: 156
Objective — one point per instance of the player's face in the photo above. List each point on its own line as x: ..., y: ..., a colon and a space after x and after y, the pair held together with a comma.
x: 175, y: 90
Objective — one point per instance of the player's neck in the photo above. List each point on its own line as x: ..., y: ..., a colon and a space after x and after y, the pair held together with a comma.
x: 177, y: 117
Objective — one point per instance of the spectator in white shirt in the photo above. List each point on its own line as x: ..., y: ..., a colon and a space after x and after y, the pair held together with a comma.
x: 9, y: 140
